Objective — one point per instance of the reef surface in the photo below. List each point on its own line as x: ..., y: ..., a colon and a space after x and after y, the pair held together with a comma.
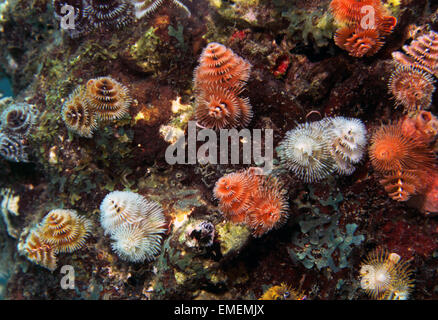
x: 298, y: 74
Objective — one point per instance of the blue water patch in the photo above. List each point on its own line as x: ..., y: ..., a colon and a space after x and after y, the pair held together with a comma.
x: 6, y: 87
x: 3, y: 282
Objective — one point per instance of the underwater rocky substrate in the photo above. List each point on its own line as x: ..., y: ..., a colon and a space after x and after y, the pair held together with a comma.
x: 299, y: 74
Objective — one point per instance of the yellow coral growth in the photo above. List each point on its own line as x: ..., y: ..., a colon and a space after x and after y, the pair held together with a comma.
x: 282, y: 292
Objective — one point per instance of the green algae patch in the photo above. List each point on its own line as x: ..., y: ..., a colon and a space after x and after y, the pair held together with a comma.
x: 144, y: 52
x: 244, y: 13
x: 307, y: 25
x: 233, y: 237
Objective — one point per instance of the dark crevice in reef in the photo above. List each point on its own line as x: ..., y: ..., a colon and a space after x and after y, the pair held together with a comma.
x: 313, y: 55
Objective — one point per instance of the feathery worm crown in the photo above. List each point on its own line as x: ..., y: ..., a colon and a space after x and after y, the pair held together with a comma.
x: 351, y: 12
x: 270, y: 207
x: 135, y: 225
x: 353, y: 36
x: 144, y: 7
x: 233, y: 187
x: 108, y: 98
x: 39, y: 252
x: 19, y: 118
x: 359, y: 42
x: 400, y: 185
x: 137, y: 242
x: 16, y: 122
x: 256, y: 200
x: 384, y: 276
x: 100, y: 99
x: 390, y: 150
x: 282, y: 292
x: 422, y: 53
x: 354, y: 12
x: 12, y: 148
x: 101, y: 13
x: 347, y: 142
x: 218, y: 108
x: 411, y: 87
x: 78, y: 115
x: 219, y: 65
x: 147, y: 7
x: 315, y: 150
x: 403, y: 155
x: 60, y: 230
x: 234, y: 192
x: 121, y: 207
x: 64, y: 230
x: 219, y: 80
x: 305, y: 151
